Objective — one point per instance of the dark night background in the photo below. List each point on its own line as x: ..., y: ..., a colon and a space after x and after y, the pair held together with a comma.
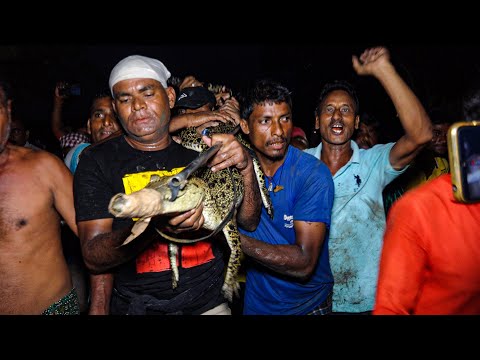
x: 439, y: 74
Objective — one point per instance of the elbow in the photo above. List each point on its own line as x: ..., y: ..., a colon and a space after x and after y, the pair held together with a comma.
x: 304, y: 274
x: 426, y: 136
x: 249, y: 228
x: 249, y: 225
x: 94, y: 268
x: 425, y: 133
x: 419, y: 140
x: 304, y: 277
x: 92, y: 263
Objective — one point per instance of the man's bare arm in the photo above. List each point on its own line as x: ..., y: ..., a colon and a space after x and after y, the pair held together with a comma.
x: 101, y: 287
x: 412, y: 115
x: 297, y: 260
x: 60, y: 181
x: 101, y: 247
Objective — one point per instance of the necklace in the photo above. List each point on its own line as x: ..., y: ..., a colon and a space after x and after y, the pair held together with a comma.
x: 271, y: 182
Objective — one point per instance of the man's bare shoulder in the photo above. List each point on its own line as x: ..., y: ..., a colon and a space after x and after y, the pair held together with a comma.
x: 45, y: 167
x: 34, y: 158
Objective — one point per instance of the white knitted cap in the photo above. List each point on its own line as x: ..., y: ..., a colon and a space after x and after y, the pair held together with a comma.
x: 139, y: 67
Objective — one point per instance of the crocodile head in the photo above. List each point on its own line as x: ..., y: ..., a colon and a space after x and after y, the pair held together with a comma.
x: 155, y: 199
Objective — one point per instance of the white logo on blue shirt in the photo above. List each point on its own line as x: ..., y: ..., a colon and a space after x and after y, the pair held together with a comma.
x: 288, y: 221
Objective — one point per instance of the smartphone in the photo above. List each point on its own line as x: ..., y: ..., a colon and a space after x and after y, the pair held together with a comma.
x: 464, y: 156
x: 70, y: 90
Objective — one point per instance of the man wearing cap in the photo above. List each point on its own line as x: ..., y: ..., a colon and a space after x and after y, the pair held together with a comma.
x: 141, y: 270
x: 196, y: 97
x: 195, y: 107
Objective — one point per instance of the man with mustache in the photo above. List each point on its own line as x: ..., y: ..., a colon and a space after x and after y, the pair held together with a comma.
x: 358, y: 218
x: 142, y: 273
x: 288, y: 272
x: 101, y: 123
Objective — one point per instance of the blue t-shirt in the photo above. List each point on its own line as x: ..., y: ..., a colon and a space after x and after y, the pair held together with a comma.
x: 358, y: 223
x: 307, y: 195
x: 73, y: 156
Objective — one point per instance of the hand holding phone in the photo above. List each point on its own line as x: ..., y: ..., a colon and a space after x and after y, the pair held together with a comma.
x: 464, y: 157
x: 68, y: 89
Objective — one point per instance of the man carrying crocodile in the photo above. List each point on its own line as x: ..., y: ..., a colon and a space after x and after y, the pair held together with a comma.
x: 138, y: 276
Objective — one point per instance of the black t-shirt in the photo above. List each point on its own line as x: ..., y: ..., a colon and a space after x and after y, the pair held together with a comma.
x: 115, y: 167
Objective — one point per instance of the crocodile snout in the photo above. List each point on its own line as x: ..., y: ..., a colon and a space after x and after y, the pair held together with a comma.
x: 117, y: 204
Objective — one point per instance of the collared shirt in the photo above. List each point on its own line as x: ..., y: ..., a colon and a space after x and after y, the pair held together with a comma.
x: 358, y: 223
x: 303, y: 192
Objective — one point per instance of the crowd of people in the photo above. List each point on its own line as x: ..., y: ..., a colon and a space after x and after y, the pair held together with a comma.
x: 340, y: 241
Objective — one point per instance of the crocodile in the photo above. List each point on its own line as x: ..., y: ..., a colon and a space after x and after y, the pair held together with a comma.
x: 221, y: 193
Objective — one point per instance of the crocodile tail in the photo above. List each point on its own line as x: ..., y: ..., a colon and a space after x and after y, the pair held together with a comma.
x: 264, y: 193
x: 267, y: 202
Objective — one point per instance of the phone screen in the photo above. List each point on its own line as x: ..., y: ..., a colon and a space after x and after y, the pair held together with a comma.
x: 464, y: 157
x: 469, y: 158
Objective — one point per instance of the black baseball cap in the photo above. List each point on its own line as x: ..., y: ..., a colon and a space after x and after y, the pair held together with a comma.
x: 194, y: 97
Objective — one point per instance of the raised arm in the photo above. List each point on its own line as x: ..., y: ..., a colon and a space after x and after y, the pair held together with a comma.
x: 412, y: 115
x: 57, y: 124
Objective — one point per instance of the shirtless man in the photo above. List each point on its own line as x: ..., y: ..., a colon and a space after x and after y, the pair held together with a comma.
x: 36, y: 191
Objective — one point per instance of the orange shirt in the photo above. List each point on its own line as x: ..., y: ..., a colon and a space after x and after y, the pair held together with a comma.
x: 430, y: 261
